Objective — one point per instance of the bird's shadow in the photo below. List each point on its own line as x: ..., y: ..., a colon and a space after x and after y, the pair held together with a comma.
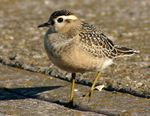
x: 31, y: 92
x: 23, y: 93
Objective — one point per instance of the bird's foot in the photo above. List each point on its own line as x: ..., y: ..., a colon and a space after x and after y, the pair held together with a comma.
x: 70, y: 104
x: 88, y: 95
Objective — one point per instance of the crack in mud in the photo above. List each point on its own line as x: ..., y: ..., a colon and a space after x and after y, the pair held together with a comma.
x: 17, y: 64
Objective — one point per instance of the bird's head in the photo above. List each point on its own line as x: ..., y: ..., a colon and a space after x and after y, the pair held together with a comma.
x: 63, y: 21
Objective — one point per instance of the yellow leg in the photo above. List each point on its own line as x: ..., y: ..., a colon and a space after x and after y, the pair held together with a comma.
x: 93, y: 85
x: 72, y: 88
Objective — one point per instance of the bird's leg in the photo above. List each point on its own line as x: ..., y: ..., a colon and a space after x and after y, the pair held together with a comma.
x: 93, y: 85
x: 73, y: 75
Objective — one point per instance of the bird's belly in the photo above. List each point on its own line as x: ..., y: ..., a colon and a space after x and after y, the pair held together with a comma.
x: 79, y: 62
x: 70, y: 64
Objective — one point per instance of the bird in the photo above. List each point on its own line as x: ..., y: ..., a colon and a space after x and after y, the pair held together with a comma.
x: 76, y: 46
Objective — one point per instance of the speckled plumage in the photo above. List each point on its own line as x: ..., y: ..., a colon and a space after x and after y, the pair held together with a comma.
x: 76, y: 46
x: 99, y: 45
x: 78, y: 40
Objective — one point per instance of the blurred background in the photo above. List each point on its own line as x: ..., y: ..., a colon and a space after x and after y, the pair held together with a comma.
x: 127, y: 81
x: 126, y: 22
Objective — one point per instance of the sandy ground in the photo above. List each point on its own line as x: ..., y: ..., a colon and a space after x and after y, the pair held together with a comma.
x: 125, y: 22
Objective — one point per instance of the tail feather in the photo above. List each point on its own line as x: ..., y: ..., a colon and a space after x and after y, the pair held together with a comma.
x: 123, y: 51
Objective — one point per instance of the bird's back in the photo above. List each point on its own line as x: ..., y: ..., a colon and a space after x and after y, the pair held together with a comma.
x: 99, y: 45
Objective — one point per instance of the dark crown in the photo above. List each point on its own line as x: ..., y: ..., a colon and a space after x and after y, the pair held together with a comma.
x: 60, y: 13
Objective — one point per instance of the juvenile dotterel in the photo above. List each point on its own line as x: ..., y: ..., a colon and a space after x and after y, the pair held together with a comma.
x: 76, y: 46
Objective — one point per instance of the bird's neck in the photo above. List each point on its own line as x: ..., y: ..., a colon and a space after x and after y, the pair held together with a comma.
x: 71, y: 30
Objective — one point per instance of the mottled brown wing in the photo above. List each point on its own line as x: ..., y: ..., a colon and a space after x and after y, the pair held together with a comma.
x: 96, y: 42
x: 88, y: 27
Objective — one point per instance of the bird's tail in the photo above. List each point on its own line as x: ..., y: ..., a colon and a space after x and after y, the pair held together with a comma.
x: 123, y: 51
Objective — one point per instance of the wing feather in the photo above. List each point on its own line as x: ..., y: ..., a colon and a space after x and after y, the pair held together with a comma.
x: 96, y: 42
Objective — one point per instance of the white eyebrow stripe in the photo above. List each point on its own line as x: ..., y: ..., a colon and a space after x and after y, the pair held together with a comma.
x: 73, y: 17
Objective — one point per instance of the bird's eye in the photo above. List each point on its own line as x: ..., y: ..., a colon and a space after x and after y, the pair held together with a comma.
x: 60, y: 20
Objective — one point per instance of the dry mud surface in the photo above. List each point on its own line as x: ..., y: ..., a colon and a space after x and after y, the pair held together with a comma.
x: 127, y: 81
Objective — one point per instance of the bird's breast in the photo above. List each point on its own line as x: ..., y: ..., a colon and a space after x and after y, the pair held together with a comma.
x: 69, y: 56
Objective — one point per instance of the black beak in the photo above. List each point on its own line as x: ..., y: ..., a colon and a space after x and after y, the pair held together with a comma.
x: 44, y: 25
